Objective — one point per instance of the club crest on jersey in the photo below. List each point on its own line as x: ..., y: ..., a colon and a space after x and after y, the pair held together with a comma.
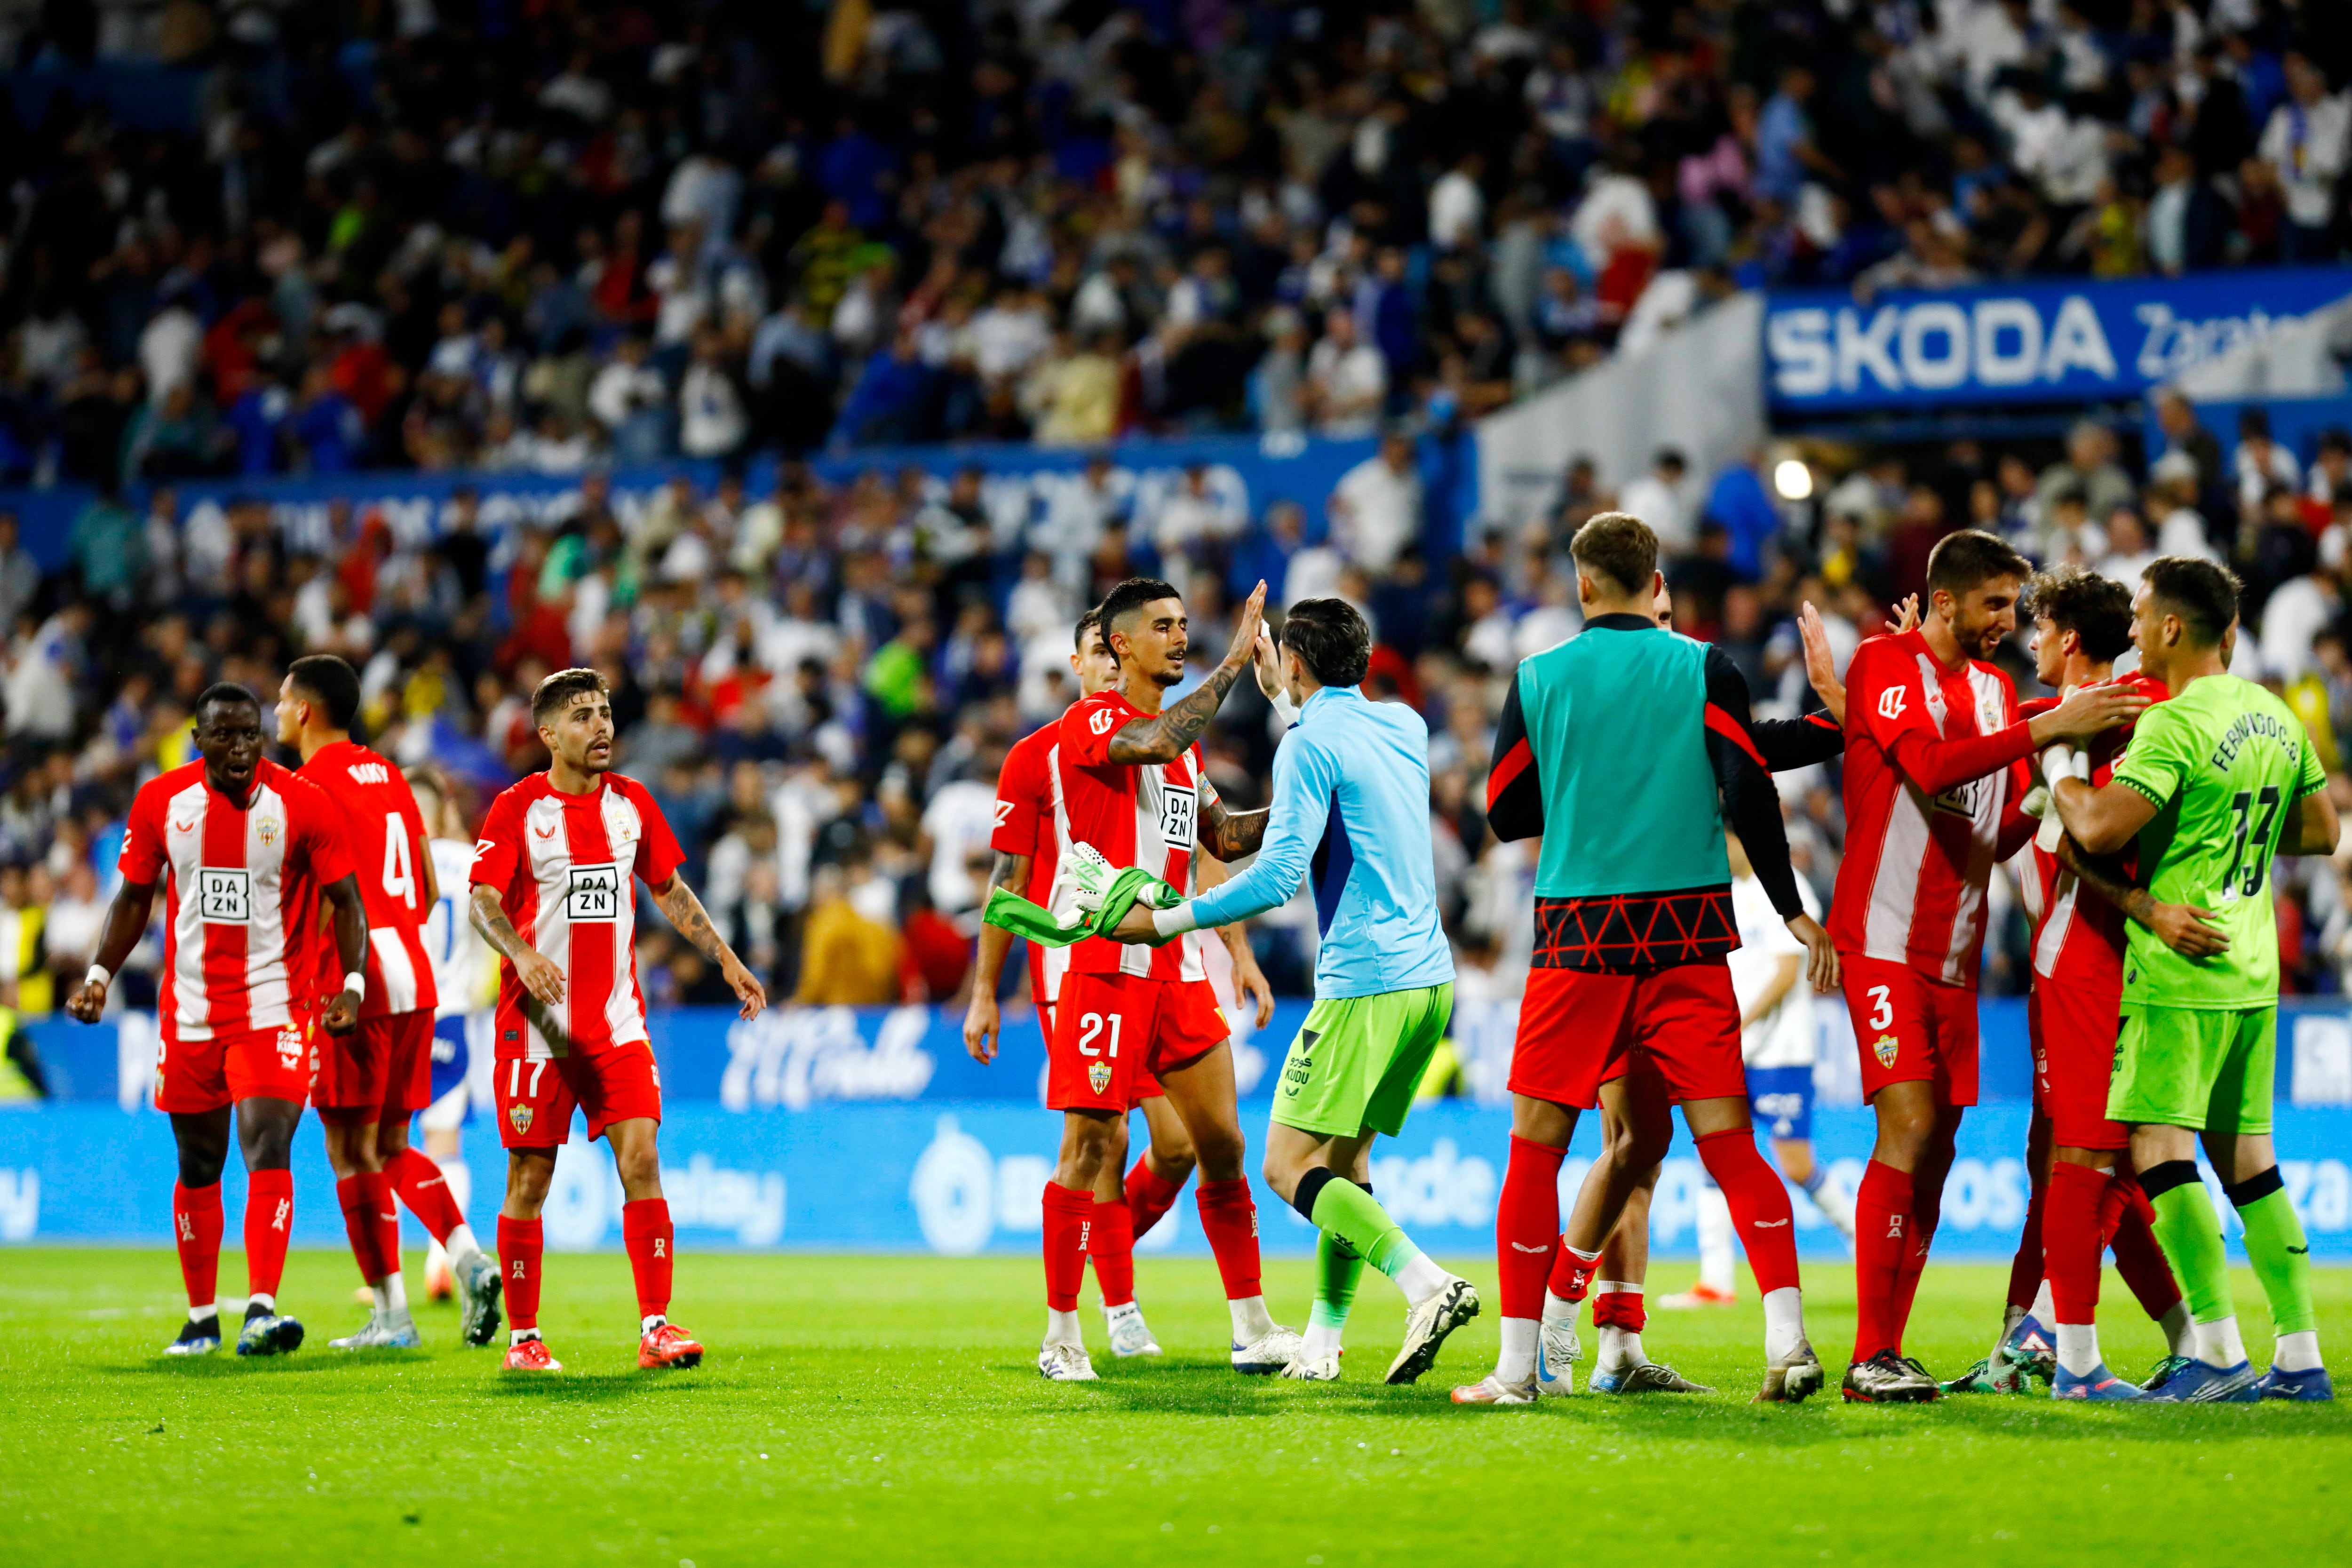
x: 1099, y: 1074
x: 1884, y: 1047
x: 519, y: 1118
x: 266, y: 829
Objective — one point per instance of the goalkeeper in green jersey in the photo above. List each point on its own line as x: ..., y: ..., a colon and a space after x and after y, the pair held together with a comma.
x: 2216, y: 783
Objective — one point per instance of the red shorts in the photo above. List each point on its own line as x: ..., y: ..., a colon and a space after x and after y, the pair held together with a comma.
x: 1113, y: 1032
x: 2074, y: 1028
x: 535, y: 1098
x: 1578, y: 1030
x: 1147, y: 1085
x: 382, y: 1069
x: 1912, y: 1029
x: 196, y: 1076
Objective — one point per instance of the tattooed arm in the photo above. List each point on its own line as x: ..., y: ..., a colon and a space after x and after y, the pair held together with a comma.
x: 1230, y: 835
x: 539, y: 974
x: 1167, y: 737
x: 693, y: 922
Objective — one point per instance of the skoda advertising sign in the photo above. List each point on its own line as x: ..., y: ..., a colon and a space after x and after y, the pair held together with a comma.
x: 2070, y: 341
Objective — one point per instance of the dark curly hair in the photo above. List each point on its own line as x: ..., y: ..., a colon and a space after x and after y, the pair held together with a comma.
x: 2097, y: 609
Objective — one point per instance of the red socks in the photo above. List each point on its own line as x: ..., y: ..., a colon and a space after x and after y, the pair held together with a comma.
x: 268, y: 1221
x: 646, y: 1231
x: 1759, y: 1205
x: 1229, y: 1219
x: 196, y: 1227
x: 1111, y: 1242
x: 2126, y: 1222
x: 1526, y: 1226
x: 521, y: 1245
x: 1620, y: 1309
x: 383, y: 1214
x: 359, y: 1225
x: 1068, y: 1216
x: 2069, y: 1240
x: 1926, y: 1212
x: 1881, y: 1241
x: 2025, y: 1269
x: 425, y: 1191
x: 1148, y: 1195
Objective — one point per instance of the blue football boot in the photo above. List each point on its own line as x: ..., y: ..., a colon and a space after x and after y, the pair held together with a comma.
x: 2312, y: 1386
x: 2180, y: 1380
x: 2098, y: 1383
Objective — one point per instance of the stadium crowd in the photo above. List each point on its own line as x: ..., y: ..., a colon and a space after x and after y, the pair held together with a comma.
x: 542, y: 234
x: 819, y: 681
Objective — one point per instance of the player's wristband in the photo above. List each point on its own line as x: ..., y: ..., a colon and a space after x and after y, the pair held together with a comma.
x: 356, y: 984
x: 1175, y: 921
x: 2058, y: 762
x: 99, y: 975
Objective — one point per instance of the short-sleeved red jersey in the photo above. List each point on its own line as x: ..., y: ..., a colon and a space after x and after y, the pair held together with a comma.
x: 241, y: 885
x: 565, y: 867
x: 1030, y: 821
x: 385, y: 836
x: 2079, y: 940
x: 1911, y: 889
x: 1144, y: 815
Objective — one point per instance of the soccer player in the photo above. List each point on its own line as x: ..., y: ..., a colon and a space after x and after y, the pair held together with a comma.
x: 372, y: 1080
x: 466, y: 981
x: 1133, y: 784
x: 1351, y: 803
x: 2220, y: 778
x: 554, y: 880
x: 1935, y: 775
x: 1032, y: 833
x: 1613, y: 748
x: 2084, y: 1195
x: 1775, y: 1050
x: 244, y: 850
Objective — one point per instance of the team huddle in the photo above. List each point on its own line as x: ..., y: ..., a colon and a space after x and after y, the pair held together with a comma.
x: 2154, y: 803
x: 317, y: 950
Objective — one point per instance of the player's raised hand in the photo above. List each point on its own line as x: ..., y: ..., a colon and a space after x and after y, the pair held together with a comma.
x: 746, y: 986
x: 1269, y: 665
x: 88, y: 1001
x: 1821, y: 662
x: 980, y: 1024
x: 1821, y: 958
x: 2088, y: 710
x: 540, y: 976
x: 1906, y: 616
x: 1248, y: 625
x: 2185, y: 929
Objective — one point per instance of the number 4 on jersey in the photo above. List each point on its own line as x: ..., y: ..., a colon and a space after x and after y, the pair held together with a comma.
x: 399, y: 876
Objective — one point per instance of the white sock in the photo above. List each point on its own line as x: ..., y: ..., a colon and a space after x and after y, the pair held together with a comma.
x: 268, y: 1302
x: 517, y: 1336
x: 2179, y: 1333
x: 1559, y: 1313
x: 1784, y: 1323
x: 1715, y: 1260
x: 395, y: 1293
x: 1251, y: 1322
x: 462, y: 1246
x: 651, y: 1322
x: 1121, y: 1312
x: 458, y: 1178
x: 2218, y: 1344
x: 2297, y: 1352
x: 1620, y: 1347
x: 1062, y: 1329
x: 1323, y: 1340
x: 1422, y: 1279
x: 2078, y: 1348
x: 1833, y: 1201
x: 204, y: 1314
x: 436, y: 1256
x: 2044, y: 1310
x: 1518, y: 1362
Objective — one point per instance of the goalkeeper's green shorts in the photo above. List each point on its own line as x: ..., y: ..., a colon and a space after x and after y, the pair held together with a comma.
x: 1358, y: 1060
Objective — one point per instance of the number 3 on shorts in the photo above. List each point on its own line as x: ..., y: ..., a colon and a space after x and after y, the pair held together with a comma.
x: 1882, y: 1006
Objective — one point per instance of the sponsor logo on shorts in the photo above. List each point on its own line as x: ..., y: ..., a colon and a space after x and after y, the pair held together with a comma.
x: 289, y: 1047
x: 1885, y: 1047
x: 519, y: 1116
x: 1099, y: 1074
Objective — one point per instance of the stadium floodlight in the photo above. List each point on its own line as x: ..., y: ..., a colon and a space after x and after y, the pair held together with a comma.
x: 1793, y: 478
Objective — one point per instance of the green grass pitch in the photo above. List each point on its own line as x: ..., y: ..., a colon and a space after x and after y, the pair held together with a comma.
x: 886, y: 1410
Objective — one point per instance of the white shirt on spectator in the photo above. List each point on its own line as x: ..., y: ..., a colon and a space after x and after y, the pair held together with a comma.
x: 2255, y: 476
x: 1457, y: 211
x: 1314, y: 574
x: 2295, y: 613
x: 1375, y: 514
x: 168, y: 349
x: 711, y: 418
x: 2309, y: 147
x: 959, y: 823
x: 622, y: 389
x: 40, y: 690
x: 1660, y: 505
x: 1005, y: 342
x: 1351, y: 381
x: 1618, y: 212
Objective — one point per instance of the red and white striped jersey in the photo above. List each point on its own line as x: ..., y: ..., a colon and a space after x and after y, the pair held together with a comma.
x: 2078, y: 938
x: 1145, y: 815
x: 385, y: 836
x: 241, y: 886
x: 565, y: 868
x: 1030, y: 821
x: 1922, y: 841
